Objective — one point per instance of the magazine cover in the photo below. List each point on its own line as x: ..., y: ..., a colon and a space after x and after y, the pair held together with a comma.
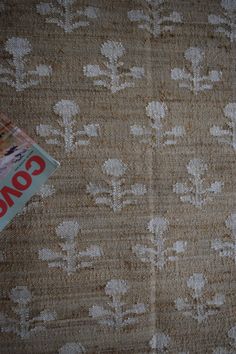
x: 24, y: 167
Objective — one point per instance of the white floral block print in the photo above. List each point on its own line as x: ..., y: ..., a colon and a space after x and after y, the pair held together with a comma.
x: 232, y: 344
x: 224, y: 247
x: 72, y: 348
x: 194, y: 80
x: 227, y: 21
x: 115, y: 195
x: 227, y: 136
x: 162, y: 343
x: 114, y: 314
x: 66, y: 133
x: 150, y: 18
x: 43, y: 193
x: 159, y: 254
x: 15, y: 73
x: 114, y: 79
x: 65, y: 16
x: 196, y: 193
x: 198, y: 308
x: 70, y: 259
x: 155, y: 135
x: 24, y: 326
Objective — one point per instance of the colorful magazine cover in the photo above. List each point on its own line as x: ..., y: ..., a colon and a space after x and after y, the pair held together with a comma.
x: 24, y: 167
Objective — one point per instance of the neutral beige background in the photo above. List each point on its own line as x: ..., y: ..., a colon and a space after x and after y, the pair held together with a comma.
x: 72, y: 296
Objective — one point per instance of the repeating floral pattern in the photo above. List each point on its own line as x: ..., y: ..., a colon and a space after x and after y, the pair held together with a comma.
x: 198, y: 308
x: 66, y: 131
x: 193, y: 80
x: 196, y: 193
x: 226, y: 248
x: 115, y: 76
x: 227, y: 136
x: 151, y: 20
x: 159, y: 254
x: 70, y: 259
x: 227, y: 21
x: 15, y: 73
x: 115, y: 315
x: 65, y: 16
x: 155, y: 135
x: 24, y: 326
x: 114, y: 195
x: 114, y: 79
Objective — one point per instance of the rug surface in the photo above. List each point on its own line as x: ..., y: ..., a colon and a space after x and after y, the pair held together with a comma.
x: 130, y: 247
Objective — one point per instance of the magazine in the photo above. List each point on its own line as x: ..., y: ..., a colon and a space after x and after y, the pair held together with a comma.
x: 24, y: 167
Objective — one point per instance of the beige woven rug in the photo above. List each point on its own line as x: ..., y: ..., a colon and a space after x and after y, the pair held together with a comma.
x: 130, y: 247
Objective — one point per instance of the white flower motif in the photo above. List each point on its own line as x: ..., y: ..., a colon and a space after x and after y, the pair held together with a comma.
x: 196, y: 282
x: 114, y: 167
x: 46, y: 190
x: 196, y: 167
x: 72, y: 348
x: 198, y: 308
x: 116, y: 287
x: 116, y: 316
x: 70, y: 259
x: 18, y: 47
x: 197, y: 194
x: 112, y: 50
x: 67, y: 109
x: 113, y: 195
x: 66, y: 17
x: 156, y: 110
x: 151, y: 18
x: 155, y: 135
x: 193, y: 80
x: 44, y: 8
x: 91, y: 12
x: 227, y: 21
x: 194, y: 55
x: 226, y: 248
x: 15, y: 74
x: 68, y: 230
x: 231, y: 222
x: 116, y: 81
x: 227, y: 136
x: 159, y: 255
x: 138, y: 189
x: 43, y: 70
x: 230, y: 111
x: 158, y: 225
x: 24, y: 326
x: 137, y: 72
x: 20, y: 295
x: 160, y: 341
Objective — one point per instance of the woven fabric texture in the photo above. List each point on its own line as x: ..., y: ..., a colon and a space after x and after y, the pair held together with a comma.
x: 130, y: 247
